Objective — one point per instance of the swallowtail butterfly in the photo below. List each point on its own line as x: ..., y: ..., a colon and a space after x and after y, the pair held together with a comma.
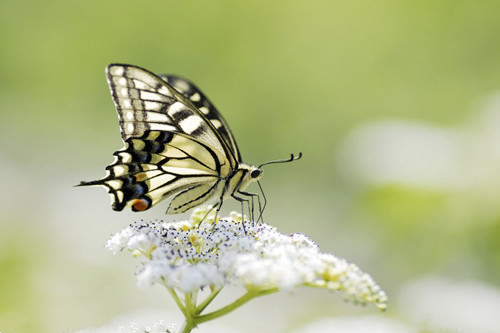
x: 176, y: 145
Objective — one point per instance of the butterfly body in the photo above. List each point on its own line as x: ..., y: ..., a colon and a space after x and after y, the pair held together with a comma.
x: 177, y: 145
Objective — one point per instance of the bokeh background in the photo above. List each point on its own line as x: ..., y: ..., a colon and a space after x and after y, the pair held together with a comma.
x: 394, y: 104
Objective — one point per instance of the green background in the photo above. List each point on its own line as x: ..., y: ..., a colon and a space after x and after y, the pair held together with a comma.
x: 288, y: 76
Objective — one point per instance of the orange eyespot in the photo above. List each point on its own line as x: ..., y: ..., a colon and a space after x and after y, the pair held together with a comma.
x: 141, y: 204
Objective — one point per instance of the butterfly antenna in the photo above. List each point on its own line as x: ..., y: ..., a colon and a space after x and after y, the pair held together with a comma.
x: 292, y: 158
x: 261, y: 208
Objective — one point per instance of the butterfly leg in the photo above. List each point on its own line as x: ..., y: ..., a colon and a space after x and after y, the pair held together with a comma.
x: 218, y: 204
x: 249, y: 201
x: 265, y: 203
x: 217, y: 210
x: 252, y: 196
x: 208, y: 213
x: 243, y: 201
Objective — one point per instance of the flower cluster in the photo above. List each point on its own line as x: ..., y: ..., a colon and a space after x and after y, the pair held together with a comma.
x: 210, y: 252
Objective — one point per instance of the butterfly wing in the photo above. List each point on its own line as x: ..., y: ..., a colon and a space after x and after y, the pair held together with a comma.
x: 201, y: 102
x: 146, y: 102
x: 171, y: 148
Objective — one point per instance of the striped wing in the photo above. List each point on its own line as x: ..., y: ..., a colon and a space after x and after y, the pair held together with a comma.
x: 201, y: 102
x: 146, y: 102
x: 171, y: 147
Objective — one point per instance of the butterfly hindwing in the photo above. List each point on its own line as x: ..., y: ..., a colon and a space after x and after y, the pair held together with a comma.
x: 195, y: 196
x: 159, y: 165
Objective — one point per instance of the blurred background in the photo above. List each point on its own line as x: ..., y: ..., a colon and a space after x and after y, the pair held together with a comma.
x: 395, y: 106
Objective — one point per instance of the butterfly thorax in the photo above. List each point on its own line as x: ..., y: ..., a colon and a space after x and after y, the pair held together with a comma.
x: 241, y: 177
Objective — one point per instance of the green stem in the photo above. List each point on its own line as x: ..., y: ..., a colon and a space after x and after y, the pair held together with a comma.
x: 192, y: 312
x: 236, y: 304
x: 207, y: 301
x: 178, y: 301
x: 188, y: 326
x: 189, y: 313
x: 188, y: 301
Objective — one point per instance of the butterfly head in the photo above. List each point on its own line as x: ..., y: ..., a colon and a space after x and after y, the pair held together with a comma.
x: 245, y: 175
x: 256, y: 173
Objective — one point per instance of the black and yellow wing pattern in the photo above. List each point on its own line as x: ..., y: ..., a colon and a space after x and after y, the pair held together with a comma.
x: 176, y: 144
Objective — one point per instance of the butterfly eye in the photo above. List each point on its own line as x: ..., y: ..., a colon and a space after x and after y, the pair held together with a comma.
x: 255, y: 173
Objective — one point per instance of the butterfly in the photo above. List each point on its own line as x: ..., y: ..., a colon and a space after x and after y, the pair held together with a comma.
x: 176, y: 145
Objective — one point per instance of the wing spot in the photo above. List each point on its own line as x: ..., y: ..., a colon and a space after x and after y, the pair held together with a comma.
x: 195, y: 97
x: 130, y: 128
x: 119, y: 196
x: 127, y: 103
x: 141, y: 85
x: 117, y: 70
x: 164, y: 91
x: 152, y: 96
x: 140, y: 176
x: 124, y: 157
x: 157, y: 117
x: 120, y: 170
x: 204, y: 110
x: 152, y: 106
x: 130, y: 115
x: 181, y: 85
x: 217, y: 124
x: 141, y: 204
x: 191, y: 124
x: 122, y: 81
x: 115, y: 184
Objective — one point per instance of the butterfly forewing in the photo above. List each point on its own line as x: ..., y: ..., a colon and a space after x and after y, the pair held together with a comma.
x: 146, y: 102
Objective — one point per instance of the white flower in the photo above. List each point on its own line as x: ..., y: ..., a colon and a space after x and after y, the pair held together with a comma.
x: 192, y: 255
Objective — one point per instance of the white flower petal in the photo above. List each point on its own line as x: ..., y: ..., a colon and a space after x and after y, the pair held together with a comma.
x: 191, y: 255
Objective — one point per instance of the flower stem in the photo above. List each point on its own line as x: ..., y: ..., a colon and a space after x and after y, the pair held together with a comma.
x: 236, y: 304
x: 178, y: 301
x: 188, y: 326
x: 192, y: 313
x: 206, y: 302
